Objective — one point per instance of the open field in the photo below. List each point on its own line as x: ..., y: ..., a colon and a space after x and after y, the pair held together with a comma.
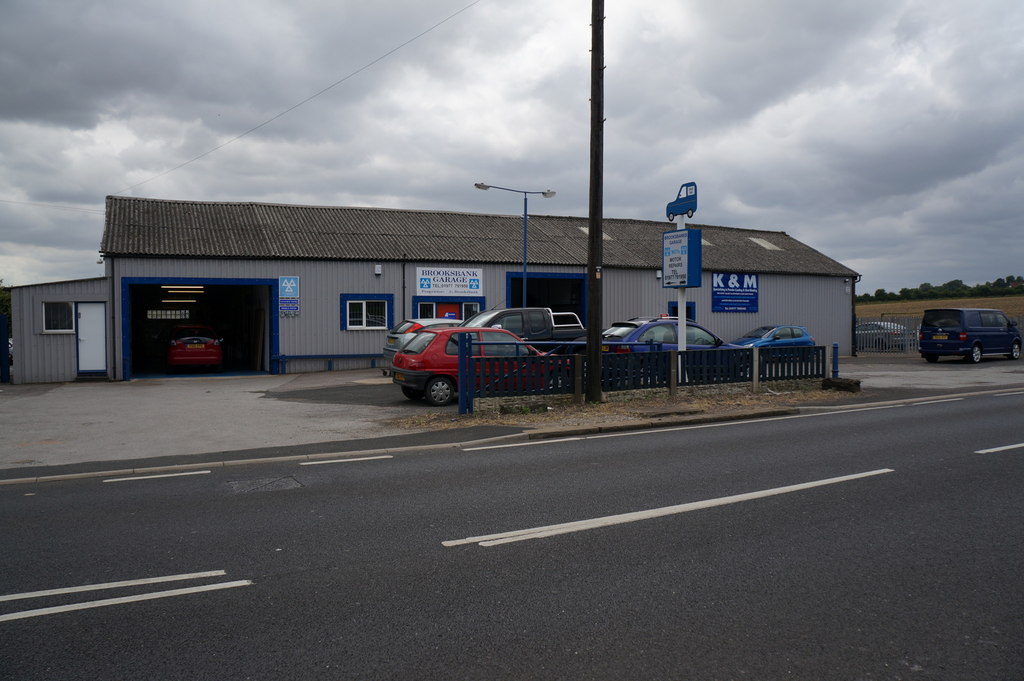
x: 1013, y: 306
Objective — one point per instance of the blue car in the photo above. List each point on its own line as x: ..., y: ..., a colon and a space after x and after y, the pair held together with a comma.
x: 639, y: 335
x: 685, y: 203
x: 775, y: 337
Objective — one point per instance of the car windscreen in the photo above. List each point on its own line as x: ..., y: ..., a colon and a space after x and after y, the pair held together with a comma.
x: 419, y: 343
x: 481, y: 319
x: 942, y: 318
x: 617, y: 331
x: 758, y: 332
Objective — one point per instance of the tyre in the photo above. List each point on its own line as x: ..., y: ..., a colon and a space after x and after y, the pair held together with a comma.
x: 411, y: 393
x: 975, y: 356
x: 1014, y: 351
x: 930, y: 358
x: 440, y: 391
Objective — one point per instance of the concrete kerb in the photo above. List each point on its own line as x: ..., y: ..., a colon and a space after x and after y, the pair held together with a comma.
x: 541, y: 433
x: 552, y: 432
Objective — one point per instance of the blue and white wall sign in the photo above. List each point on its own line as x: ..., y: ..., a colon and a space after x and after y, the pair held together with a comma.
x: 681, y: 258
x: 287, y: 287
x: 732, y: 292
x: 446, y: 281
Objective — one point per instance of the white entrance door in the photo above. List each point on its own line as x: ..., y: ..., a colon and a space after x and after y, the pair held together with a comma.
x: 92, y: 337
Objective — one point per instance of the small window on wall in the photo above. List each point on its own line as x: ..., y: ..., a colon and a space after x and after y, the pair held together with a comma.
x: 425, y: 310
x: 58, y: 318
x: 365, y: 311
x: 470, y: 309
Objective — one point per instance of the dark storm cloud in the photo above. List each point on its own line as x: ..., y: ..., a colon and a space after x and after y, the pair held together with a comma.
x: 882, y: 133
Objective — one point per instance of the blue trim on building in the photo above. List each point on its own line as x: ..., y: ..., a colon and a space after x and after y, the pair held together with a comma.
x: 691, y: 310
x: 388, y: 298
x: 531, y: 276
x: 481, y: 302
x: 126, y: 309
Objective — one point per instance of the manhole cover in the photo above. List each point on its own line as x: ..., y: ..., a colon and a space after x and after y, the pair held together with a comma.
x: 263, y: 485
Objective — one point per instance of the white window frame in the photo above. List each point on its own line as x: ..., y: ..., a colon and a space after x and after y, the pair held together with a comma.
x: 62, y: 329
x: 363, y: 305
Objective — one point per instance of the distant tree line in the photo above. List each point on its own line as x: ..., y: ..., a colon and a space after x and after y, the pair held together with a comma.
x: 5, y: 307
x: 1004, y: 286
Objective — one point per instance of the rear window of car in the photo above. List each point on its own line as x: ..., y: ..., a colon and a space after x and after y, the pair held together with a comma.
x: 941, y: 318
x: 419, y: 343
x: 404, y: 327
x: 192, y: 332
x: 618, y: 331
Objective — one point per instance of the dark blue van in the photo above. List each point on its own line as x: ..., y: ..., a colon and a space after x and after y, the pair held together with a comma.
x: 969, y: 333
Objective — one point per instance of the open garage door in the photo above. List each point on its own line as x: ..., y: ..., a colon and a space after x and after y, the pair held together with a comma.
x: 560, y: 292
x: 238, y: 314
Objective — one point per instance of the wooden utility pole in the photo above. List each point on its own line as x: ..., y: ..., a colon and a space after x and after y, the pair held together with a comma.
x: 595, y: 250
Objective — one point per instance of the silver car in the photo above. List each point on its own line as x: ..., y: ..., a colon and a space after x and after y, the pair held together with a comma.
x: 404, y: 331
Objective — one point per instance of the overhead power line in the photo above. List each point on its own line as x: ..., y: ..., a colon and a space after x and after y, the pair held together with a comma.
x: 53, y: 205
x: 306, y: 100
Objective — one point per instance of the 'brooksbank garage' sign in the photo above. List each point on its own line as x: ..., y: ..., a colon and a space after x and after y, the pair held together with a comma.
x: 444, y: 281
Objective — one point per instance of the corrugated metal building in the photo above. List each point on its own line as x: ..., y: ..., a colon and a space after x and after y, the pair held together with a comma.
x: 317, y: 287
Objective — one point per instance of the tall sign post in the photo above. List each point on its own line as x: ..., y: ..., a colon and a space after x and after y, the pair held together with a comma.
x: 681, y: 261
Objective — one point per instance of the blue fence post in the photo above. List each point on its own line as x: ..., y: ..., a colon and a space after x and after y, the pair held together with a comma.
x: 465, y: 357
x: 5, y: 367
x: 835, y: 360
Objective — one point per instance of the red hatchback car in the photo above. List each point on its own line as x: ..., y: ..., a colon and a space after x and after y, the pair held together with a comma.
x: 194, y: 345
x: 428, y: 366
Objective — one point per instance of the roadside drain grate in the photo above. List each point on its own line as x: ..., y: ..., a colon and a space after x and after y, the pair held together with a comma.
x: 263, y: 485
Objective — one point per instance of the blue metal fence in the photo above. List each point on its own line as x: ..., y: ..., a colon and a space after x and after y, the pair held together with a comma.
x: 712, y: 367
x: 514, y: 375
x: 782, y: 364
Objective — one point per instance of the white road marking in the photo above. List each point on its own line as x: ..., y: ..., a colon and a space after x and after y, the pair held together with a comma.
x: 112, y: 585
x: 119, y: 601
x: 673, y: 429
x: 1006, y: 394
x: 153, y: 477
x: 952, y: 399
x: 581, y: 525
x: 362, y: 458
x: 523, y: 444
x: 999, y: 449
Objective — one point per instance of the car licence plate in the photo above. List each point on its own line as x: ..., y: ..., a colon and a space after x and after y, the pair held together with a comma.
x: 196, y: 346
x: 398, y: 377
x: 391, y: 341
x: 940, y: 336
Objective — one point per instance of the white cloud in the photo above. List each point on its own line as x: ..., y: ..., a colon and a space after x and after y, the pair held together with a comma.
x: 884, y: 134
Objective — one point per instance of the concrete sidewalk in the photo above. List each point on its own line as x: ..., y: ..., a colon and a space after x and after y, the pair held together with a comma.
x: 69, y: 423
x: 75, y: 427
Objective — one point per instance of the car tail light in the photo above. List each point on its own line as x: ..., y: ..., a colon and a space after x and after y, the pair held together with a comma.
x: 623, y: 348
x: 920, y: 335
x: 963, y: 336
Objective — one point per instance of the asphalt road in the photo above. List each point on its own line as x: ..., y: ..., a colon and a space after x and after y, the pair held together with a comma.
x: 871, y: 543
x: 70, y: 427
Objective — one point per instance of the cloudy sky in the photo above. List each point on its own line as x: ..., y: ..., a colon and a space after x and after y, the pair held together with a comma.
x: 888, y: 134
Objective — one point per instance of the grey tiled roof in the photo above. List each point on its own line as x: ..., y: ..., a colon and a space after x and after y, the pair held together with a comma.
x: 142, y: 227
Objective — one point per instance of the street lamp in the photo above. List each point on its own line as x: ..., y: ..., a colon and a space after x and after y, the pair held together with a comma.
x: 547, y: 194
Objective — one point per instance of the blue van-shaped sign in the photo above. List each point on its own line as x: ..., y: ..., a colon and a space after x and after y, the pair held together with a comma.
x: 685, y: 203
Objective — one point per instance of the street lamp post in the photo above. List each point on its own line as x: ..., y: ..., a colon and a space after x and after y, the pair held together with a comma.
x: 547, y: 194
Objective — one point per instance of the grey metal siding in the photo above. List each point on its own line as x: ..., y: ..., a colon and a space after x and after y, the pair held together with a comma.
x: 821, y: 303
x: 49, y: 357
